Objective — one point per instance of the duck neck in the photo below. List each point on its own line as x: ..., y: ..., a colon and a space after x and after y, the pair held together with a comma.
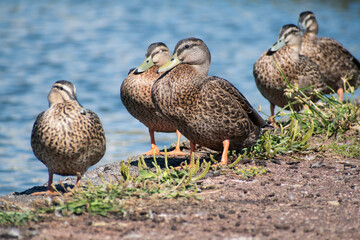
x: 201, y: 69
x: 201, y: 66
x: 310, y: 35
x: 294, y: 51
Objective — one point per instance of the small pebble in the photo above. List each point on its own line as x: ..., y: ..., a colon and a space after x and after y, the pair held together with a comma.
x: 281, y: 226
x: 11, y: 233
x: 291, y: 196
x: 334, y: 203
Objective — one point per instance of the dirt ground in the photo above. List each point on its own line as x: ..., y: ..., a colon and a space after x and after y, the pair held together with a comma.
x: 304, y: 196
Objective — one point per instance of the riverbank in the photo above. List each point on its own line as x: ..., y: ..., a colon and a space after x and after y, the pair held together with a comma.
x: 304, y: 195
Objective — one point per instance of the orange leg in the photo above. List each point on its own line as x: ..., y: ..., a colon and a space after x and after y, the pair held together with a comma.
x: 153, y: 145
x: 224, y: 157
x: 272, y: 109
x: 272, y: 115
x: 77, y: 184
x: 192, y: 147
x: 340, y: 93
x: 192, y: 150
x: 78, y: 181
x: 177, y: 150
x: 50, y: 190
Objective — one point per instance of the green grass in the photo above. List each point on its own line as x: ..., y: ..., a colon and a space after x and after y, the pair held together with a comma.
x: 250, y: 172
x: 116, y: 195
x: 325, y: 120
x: 12, y: 218
x: 113, y: 196
x: 351, y: 150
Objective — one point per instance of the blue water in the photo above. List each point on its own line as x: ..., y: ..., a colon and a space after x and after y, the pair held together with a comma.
x: 95, y: 43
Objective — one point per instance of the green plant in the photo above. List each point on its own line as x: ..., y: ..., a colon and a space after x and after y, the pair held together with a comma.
x: 346, y: 150
x: 250, y: 171
x: 11, y: 218
x: 327, y: 117
x: 112, y: 196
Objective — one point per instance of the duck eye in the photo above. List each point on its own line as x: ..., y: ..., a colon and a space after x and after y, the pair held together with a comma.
x: 147, y: 61
x: 187, y: 46
x: 172, y: 59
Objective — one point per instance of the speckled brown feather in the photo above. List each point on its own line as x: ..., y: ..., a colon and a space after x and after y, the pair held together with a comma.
x: 271, y: 83
x: 207, y: 110
x: 298, y: 69
x: 68, y: 138
x: 334, y: 61
x: 136, y: 96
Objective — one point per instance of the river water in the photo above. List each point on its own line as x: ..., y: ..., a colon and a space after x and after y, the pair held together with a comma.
x: 95, y: 43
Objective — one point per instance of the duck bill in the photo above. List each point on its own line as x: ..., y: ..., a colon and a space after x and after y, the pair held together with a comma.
x: 279, y: 44
x: 173, y: 62
x: 148, y: 63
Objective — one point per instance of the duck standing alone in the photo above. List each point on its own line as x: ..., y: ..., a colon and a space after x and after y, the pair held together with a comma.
x: 67, y: 138
x: 207, y: 110
x: 135, y: 94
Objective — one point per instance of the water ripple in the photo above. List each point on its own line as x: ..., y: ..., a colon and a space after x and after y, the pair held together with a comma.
x: 95, y: 44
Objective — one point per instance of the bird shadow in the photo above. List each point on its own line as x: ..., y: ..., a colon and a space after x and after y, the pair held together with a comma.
x: 172, y: 161
x: 160, y: 161
x: 34, y: 189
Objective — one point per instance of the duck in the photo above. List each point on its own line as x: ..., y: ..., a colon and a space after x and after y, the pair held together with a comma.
x: 207, y: 110
x: 135, y: 93
x: 334, y: 60
x: 298, y: 69
x: 67, y: 138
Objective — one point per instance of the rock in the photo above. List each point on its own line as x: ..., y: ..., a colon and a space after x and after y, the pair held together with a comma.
x: 10, y: 233
x: 334, y: 203
x: 281, y: 226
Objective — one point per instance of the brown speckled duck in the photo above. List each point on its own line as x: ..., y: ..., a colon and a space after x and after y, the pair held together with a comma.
x: 135, y: 94
x: 298, y: 69
x: 208, y: 110
x: 335, y: 62
x: 67, y: 138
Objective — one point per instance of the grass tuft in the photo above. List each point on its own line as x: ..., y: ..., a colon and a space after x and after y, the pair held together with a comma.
x: 323, y: 120
x: 250, y: 171
x: 11, y: 218
x: 328, y: 118
x: 112, y: 197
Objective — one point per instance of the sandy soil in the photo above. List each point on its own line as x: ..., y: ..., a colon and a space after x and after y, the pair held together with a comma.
x: 305, y: 196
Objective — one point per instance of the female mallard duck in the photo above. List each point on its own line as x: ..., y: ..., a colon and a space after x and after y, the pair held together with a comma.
x: 135, y: 94
x: 334, y: 61
x: 67, y: 138
x: 298, y: 69
x: 207, y: 110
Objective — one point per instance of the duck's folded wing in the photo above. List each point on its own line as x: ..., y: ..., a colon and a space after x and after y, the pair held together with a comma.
x: 230, y: 92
